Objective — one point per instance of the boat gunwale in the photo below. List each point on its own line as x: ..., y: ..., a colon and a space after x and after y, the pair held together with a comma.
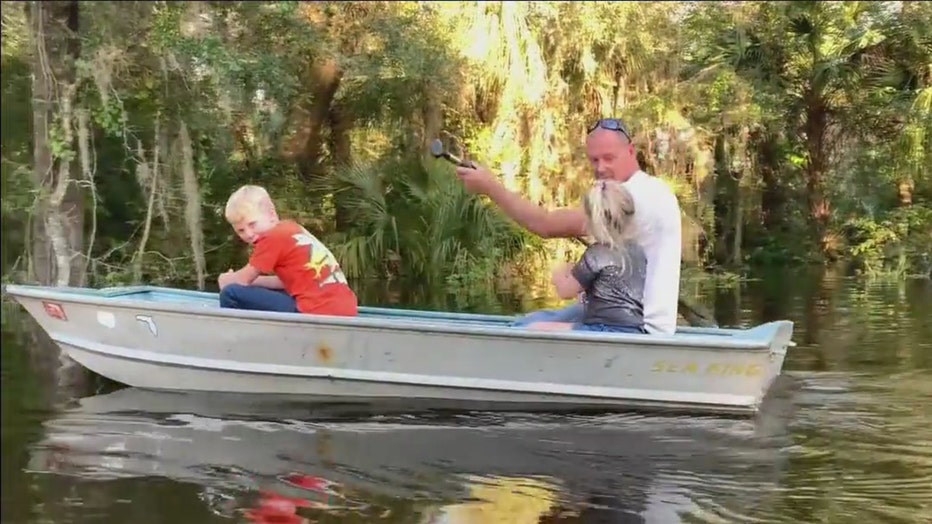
x: 119, y: 298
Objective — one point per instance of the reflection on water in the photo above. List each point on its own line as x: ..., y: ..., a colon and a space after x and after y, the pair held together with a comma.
x: 464, y: 468
x: 844, y: 437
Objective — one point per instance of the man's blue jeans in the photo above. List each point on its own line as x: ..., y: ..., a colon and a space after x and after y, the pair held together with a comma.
x: 238, y: 296
x: 572, y: 314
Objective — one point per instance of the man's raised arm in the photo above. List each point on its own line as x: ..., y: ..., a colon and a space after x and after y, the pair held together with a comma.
x: 560, y: 223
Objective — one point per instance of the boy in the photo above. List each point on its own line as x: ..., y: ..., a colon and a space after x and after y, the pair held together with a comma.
x: 302, y: 274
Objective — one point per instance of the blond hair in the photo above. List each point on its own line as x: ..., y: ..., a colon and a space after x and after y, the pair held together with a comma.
x: 247, y: 203
x: 610, y: 212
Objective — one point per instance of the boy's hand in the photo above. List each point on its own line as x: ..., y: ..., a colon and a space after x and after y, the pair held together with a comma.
x: 225, y: 279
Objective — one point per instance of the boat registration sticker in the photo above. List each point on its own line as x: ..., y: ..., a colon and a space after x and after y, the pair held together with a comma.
x: 106, y: 319
x: 55, y: 310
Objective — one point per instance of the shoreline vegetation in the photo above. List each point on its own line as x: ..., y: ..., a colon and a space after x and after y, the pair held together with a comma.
x: 794, y: 134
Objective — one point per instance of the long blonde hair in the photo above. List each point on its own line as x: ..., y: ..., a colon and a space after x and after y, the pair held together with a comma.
x: 610, y: 212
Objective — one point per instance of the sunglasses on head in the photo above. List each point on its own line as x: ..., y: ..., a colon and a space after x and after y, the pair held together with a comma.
x: 611, y: 124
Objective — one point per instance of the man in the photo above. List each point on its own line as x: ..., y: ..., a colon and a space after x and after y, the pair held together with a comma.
x: 657, y: 214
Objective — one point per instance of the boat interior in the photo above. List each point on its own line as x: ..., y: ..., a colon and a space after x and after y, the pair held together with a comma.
x: 764, y: 332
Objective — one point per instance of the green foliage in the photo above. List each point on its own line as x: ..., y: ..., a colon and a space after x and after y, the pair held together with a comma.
x: 16, y: 187
x: 898, y: 242
x: 415, y: 220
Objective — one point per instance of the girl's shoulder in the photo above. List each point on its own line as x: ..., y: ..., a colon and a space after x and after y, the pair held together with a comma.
x: 629, y: 247
x: 608, y: 255
x: 600, y: 250
x: 634, y: 247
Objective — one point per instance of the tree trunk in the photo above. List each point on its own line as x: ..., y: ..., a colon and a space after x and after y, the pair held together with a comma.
x: 432, y: 115
x: 773, y: 198
x: 192, y: 208
x: 737, y: 256
x: 147, y: 174
x: 819, y: 207
x: 88, y: 176
x: 904, y: 190
x: 723, y: 203
x: 41, y: 268
x: 341, y: 123
x: 59, y: 219
x: 306, y: 145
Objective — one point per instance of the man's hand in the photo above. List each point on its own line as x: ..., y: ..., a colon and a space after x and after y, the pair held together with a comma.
x: 479, y: 180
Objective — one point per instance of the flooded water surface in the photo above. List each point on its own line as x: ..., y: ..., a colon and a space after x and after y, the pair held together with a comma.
x: 845, y: 437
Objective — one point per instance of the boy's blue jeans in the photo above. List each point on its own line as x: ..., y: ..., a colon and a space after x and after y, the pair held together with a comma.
x: 238, y: 296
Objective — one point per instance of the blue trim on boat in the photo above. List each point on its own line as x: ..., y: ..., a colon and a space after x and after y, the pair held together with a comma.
x: 206, y: 303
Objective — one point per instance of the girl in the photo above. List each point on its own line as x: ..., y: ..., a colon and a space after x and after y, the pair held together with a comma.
x: 612, y: 270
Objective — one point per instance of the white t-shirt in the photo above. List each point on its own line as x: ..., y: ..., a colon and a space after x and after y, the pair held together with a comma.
x: 657, y: 215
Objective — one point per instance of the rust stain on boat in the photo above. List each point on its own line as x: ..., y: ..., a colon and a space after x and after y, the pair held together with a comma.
x: 324, y: 353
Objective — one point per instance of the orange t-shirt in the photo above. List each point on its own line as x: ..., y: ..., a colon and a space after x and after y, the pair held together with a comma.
x: 308, y: 270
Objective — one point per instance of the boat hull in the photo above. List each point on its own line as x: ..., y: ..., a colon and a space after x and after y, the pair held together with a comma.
x: 174, y: 340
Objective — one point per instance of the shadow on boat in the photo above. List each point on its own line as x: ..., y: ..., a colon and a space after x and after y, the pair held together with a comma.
x: 249, y: 457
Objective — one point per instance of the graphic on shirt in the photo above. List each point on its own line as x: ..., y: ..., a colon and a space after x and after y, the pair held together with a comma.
x: 320, y: 259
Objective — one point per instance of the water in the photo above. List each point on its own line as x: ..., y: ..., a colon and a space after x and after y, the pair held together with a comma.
x: 845, y: 438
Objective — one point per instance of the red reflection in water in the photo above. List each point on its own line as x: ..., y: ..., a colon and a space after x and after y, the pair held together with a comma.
x: 308, y: 482
x: 273, y: 508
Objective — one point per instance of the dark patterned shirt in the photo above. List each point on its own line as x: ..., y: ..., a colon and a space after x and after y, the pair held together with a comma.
x: 613, y: 280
